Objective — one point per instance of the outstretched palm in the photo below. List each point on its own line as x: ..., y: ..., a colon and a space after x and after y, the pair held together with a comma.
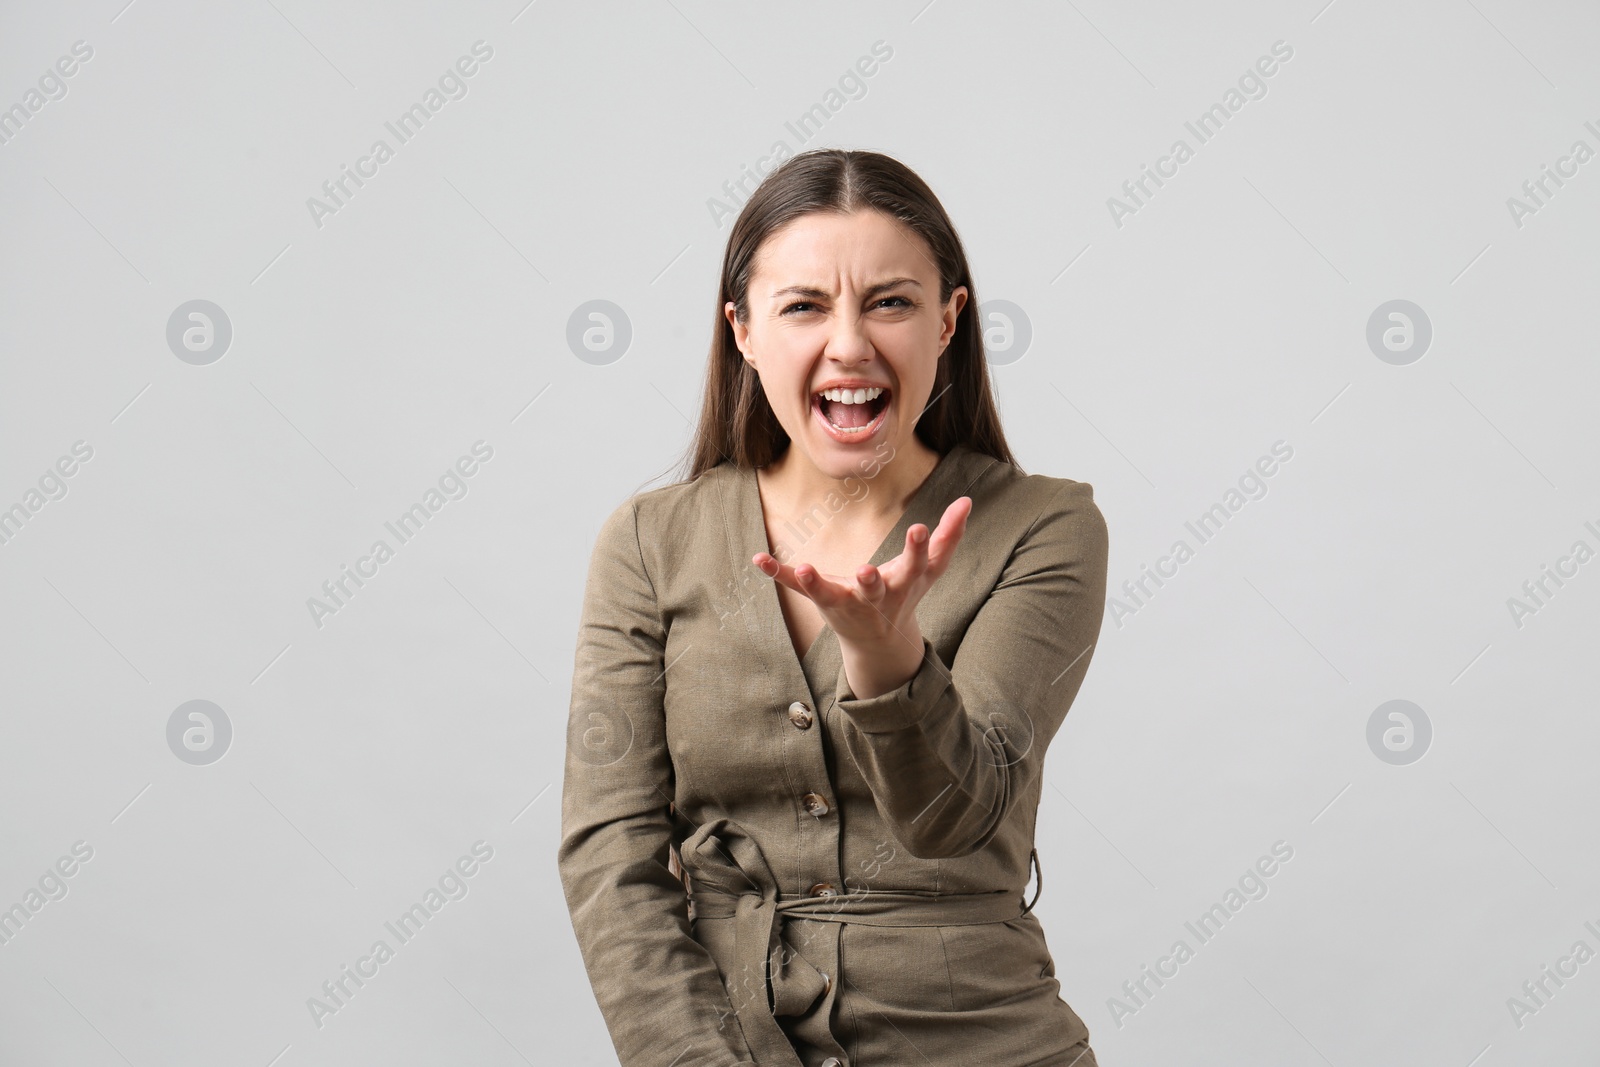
x: 878, y: 607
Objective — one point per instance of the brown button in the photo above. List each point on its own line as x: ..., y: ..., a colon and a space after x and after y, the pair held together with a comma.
x: 831, y: 1061
x: 815, y: 804
x: 827, y: 984
x: 800, y: 715
x: 823, y: 889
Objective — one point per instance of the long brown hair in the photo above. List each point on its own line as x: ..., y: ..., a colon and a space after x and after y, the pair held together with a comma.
x: 736, y: 422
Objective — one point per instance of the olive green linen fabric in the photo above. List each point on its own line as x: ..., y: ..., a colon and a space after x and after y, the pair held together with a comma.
x: 855, y: 869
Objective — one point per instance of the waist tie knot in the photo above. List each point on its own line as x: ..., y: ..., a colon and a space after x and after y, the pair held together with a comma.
x: 730, y: 878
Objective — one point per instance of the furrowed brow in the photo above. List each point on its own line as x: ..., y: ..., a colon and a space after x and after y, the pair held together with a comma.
x: 807, y: 292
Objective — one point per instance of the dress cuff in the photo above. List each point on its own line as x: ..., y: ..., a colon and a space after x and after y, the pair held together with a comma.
x: 898, y: 708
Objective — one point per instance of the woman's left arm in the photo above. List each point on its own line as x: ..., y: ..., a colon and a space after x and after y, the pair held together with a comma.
x: 948, y: 753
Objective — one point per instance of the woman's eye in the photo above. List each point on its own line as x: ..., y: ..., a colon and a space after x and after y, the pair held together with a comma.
x: 888, y: 300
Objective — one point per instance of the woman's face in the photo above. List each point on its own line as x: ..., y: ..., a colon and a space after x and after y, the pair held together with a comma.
x: 848, y: 303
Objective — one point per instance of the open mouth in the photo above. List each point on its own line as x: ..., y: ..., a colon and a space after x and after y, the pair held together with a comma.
x: 851, y: 413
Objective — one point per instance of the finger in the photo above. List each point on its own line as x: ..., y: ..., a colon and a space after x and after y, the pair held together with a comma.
x: 952, y: 526
x: 825, y: 590
x: 931, y: 552
x: 871, y: 583
x: 804, y: 579
x: 916, y: 552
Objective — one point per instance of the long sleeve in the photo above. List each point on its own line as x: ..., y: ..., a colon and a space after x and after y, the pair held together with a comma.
x: 949, y: 752
x: 660, y: 992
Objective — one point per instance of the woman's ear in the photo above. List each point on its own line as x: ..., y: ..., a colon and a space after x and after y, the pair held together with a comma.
x: 952, y: 313
x: 741, y: 332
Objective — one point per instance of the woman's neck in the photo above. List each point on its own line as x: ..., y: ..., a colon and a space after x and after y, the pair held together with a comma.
x: 882, y: 488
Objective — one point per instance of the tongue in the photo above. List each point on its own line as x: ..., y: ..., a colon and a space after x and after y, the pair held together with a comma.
x: 847, y: 415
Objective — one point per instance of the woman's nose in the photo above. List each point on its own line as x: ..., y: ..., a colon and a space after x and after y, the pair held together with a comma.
x: 848, y: 340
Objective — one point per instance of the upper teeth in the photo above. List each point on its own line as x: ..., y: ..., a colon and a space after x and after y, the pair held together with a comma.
x: 852, y: 396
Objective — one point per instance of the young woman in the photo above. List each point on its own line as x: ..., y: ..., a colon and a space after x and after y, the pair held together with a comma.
x: 807, y: 734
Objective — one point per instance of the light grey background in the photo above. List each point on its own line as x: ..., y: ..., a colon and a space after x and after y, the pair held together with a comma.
x: 1168, y: 354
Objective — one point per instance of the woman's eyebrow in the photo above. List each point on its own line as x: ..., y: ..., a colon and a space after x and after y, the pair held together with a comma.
x: 811, y: 293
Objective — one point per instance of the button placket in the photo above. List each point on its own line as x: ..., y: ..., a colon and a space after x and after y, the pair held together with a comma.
x: 809, y: 764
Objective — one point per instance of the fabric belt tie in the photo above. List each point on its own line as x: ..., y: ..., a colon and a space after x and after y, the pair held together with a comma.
x: 730, y: 878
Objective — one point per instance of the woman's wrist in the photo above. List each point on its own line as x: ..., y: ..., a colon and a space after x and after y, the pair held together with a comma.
x: 878, y: 668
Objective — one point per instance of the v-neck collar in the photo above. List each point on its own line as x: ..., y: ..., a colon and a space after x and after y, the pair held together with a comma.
x: 927, y: 504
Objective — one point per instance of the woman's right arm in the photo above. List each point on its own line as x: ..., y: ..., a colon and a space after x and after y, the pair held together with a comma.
x: 660, y: 992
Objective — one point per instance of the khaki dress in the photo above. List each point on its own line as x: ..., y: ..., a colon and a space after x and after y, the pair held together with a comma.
x: 855, y: 870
